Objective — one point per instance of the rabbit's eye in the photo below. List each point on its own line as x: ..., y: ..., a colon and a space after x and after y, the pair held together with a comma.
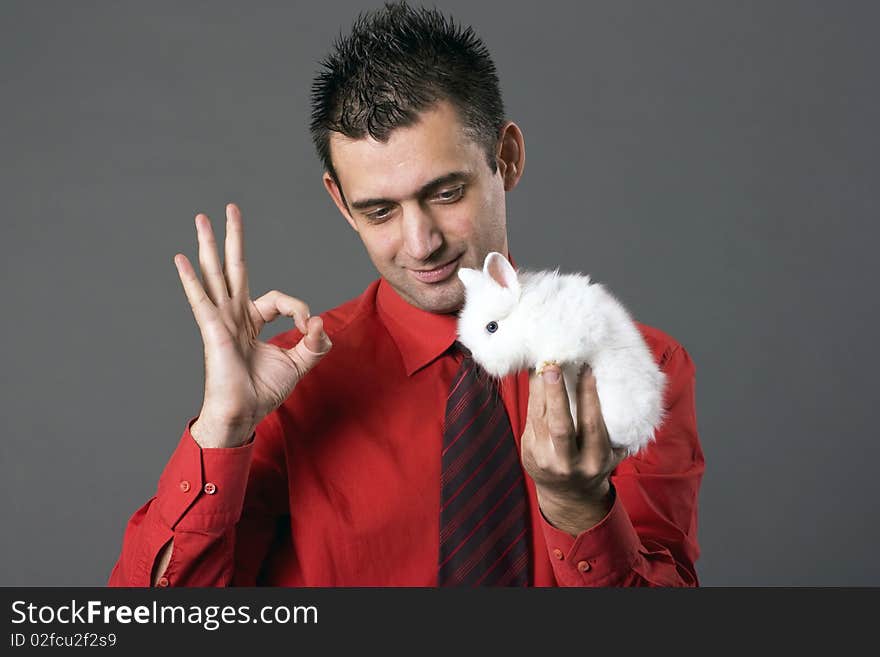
x: 491, y: 327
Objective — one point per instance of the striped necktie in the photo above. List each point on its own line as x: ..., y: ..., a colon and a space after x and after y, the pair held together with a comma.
x: 484, y: 527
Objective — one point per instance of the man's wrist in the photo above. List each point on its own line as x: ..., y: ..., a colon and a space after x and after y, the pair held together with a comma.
x: 209, y: 435
x: 575, y: 514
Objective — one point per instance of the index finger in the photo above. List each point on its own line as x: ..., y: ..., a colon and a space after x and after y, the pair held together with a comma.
x: 537, y: 406
x: 560, y: 424
x: 234, y: 265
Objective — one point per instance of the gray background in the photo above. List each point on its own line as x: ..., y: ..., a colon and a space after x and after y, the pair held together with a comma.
x: 716, y: 164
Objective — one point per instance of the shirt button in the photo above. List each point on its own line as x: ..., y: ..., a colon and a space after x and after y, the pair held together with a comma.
x: 210, y: 488
x: 163, y: 582
x: 184, y: 486
x: 583, y: 566
x: 557, y: 553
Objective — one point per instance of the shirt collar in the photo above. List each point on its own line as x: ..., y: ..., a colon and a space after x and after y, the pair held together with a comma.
x: 420, y: 336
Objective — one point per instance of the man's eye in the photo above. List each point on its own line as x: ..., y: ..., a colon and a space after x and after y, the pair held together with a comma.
x: 450, y: 195
x: 379, y: 215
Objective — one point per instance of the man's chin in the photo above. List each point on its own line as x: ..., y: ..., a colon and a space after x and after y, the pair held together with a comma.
x: 444, y: 299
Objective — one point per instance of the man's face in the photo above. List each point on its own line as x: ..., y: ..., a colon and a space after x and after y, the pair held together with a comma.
x: 424, y: 203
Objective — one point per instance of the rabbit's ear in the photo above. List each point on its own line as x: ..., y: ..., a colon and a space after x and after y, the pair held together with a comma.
x: 501, y: 271
x: 468, y: 276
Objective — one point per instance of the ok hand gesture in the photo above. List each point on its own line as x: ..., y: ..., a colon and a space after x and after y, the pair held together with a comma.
x: 245, y: 379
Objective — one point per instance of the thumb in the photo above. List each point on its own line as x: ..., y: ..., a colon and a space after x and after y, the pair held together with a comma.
x: 313, y: 346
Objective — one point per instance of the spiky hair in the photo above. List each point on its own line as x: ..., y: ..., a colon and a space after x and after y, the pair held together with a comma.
x: 397, y: 62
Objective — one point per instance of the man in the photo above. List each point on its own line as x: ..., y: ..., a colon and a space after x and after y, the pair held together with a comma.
x: 363, y: 448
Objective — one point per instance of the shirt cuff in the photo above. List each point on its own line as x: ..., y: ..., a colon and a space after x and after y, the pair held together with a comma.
x: 599, y: 556
x: 202, y: 490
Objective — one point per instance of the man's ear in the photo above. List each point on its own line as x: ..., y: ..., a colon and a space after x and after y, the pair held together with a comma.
x: 511, y: 154
x: 336, y: 194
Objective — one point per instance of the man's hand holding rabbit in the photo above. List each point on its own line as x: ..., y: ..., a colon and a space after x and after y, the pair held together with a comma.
x: 569, y: 459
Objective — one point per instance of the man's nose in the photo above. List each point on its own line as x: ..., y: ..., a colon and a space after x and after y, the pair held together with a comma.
x: 421, y: 236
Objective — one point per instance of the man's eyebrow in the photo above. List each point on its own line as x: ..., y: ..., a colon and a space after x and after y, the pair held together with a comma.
x: 424, y: 190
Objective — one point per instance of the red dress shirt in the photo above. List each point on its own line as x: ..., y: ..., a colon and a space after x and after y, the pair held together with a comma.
x: 340, y: 486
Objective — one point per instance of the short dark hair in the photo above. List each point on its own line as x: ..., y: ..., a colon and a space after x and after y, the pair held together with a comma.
x: 397, y: 62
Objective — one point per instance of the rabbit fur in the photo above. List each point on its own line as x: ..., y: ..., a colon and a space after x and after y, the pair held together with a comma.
x: 545, y: 317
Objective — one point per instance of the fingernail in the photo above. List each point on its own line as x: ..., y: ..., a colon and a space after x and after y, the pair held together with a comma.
x: 551, y: 375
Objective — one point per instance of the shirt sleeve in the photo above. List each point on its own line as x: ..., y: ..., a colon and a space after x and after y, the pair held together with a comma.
x: 219, y: 505
x: 649, y: 537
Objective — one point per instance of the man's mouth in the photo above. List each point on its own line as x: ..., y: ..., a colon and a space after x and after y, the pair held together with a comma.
x: 435, y: 275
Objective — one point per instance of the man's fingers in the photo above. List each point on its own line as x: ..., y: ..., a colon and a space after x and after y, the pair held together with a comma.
x: 234, y: 263
x: 273, y: 304
x: 209, y: 260
x: 314, y: 344
x: 590, y: 420
x: 204, y: 311
x: 313, y: 347
x: 559, y: 420
x: 316, y: 340
x: 537, y: 404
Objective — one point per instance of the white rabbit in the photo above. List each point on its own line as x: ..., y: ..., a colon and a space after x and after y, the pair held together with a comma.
x: 512, y: 321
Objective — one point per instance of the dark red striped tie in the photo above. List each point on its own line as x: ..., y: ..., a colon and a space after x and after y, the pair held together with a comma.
x: 484, y: 528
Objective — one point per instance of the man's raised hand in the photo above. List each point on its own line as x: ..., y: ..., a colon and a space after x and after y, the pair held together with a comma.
x: 245, y: 379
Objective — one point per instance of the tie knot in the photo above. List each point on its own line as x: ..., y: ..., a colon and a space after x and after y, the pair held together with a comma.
x: 464, y: 351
